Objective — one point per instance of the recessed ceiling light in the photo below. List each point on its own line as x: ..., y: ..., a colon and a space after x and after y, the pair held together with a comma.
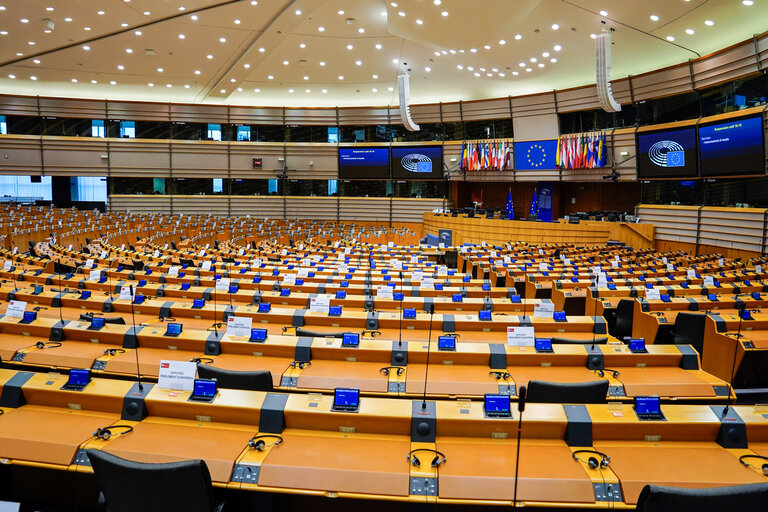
x: 322, y: 63
x: 541, y: 64
x: 74, y: 80
x: 86, y: 28
x: 325, y: 91
x: 197, y: 71
x: 341, y: 77
x: 257, y: 90
x: 419, y: 22
x: 36, y: 61
x: 186, y: 86
x: 654, y: 17
x: 123, y: 25
x: 182, y: 36
x: 522, y: 64
x: 515, y: 73
x: 393, y: 4
x: 444, y: 13
x: 150, y: 84
x: 395, y: 61
x: 593, y: 36
x: 689, y: 31
x: 470, y: 68
x: 24, y: 20
x: 270, y: 77
x: 358, y: 63
x: 298, y: 12
x: 487, y: 47
x: 100, y: 13
x: 427, y: 69
x: 237, y: 22
x: 473, y: 50
x: 33, y: 78
x: 159, y: 70
x: 401, y: 13
x: 302, y: 45
x: 709, y: 23
x: 438, y: 2
x: 495, y: 70
x: 444, y: 52
x: 67, y: 19
x: 120, y: 67
x: 223, y: 91
x: 285, y: 63
x: 12, y: 77
x: 502, y: 75
x: 86, y: 47
x: 747, y: 2
x: 222, y: 39
x: 93, y: 81
x: 349, y: 47
x: 528, y: 70
x: 254, y: 2
x: 246, y: 66
x: 553, y: 60
x: 390, y: 88
x: 341, y: 13
x: 489, y: 74
x: 321, y: 29
x: 459, y: 66
x: 603, y: 13
x: 375, y: 90
x: 545, y: 54
x: 533, y: 59
x: 378, y: 46
x: 232, y: 80
x: 209, y: 56
x: 555, y: 26
x: 147, y: 13
x: 306, y: 77
x: 193, y: 17
x: 502, y: 41
x: 128, y: 50
x: 262, y: 50
x: 361, y: 30
x: 452, y: 51
x: 138, y: 32
x: 375, y: 77
x: 670, y: 38
x: 3, y: 32
x: 476, y: 73
x: 518, y: 37
x: 557, y: 48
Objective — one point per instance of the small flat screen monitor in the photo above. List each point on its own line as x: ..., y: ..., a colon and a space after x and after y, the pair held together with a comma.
x: 350, y: 340
x: 559, y: 316
x: 38, y: 289
x: 409, y: 313
x: 233, y: 288
x: 446, y: 343
x: 334, y: 311
x: 285, y: 292
x: 667, y: 154
x: 138, y: 299
x: 97, y: 322
x: 85, y: 294
x: 203, y: 390
x: 497, y: 406
x: 397, y: 296
x: 637, y: 345
x: 341, y: 294
x: 185, y: 286
x: 514, y: 299
x: 258, y: 335
x: 198, y: 303
x: 543, y: 344
x: 648, y: 407
x: 265, y: 307
x: 417, y: 162
x: 346, y: 400
x: 78, y: 379
x: 484, y: 315
x: 173, y: 329
x: 457, y: 297
x: 29, y: 317
x: 364, y: 163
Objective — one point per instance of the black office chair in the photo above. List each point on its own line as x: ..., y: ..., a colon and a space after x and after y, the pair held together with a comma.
x: 744, y: 498
x: 233, y: 379
x: 689, y: 330
x: 128, y: 486
x: 568, y: 392
x: 624, y: 312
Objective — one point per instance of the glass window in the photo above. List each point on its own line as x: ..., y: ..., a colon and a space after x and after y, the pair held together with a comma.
x: 333, y: 134
x: 249, y: 187
x: 272, y: 187
x: 360, y: 188
x: 3, y: 126
x: 127, y: 129
x: 152, y: 130
x: 218, y: 185
x: 88, y: 188
x: 243, y: 133
x: 333, y: 187
x: 158, y: 186
x: 214, y: 131
x: 23, y: 186
x: 97, y: 128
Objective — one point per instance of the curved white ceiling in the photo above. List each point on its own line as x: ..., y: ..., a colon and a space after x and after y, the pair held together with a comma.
x: 345, y: 52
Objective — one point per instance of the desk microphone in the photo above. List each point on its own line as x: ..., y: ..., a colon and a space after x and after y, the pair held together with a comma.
x: 136, y: 336
x: 215, y: 315
x: 429, y: 345
x: 740, y: 312
x: 229, y: 287
x: 402, y: 306
x: 521, y: 398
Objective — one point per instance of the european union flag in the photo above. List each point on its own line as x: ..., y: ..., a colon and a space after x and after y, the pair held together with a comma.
x: 675, y: 158
x: 510, y: 206
x: 535, y: 155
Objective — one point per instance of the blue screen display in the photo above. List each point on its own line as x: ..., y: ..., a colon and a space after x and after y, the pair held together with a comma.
x: 173, y: 329
x: 409, y: 313
x: 29, y: 316
x: 285, y: 292
x: 497, y: 403
x: 85, y: 294
x: 185, y: 286
x: 258, y: 334
x: 543, y: 344
x: 647, y: 405
x: 97, y: 322
x: 198, y: 303
x: 79, y: 377
x: 341, y: 294
x: 446, y: 343
x: 265, y: 307
x: 637, y: 344
x: 418, y: 163
x: 484, y: 315
x: 350, y: 339
x: 204, y: 387
x: 364, y: 163
x: 138, y: 299
x: 343, y: 397
x: 334, y: 311
x: 667, y: 154
x: 734, y: 147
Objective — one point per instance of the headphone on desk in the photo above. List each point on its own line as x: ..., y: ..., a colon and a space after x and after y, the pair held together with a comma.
x: 113, y: 351
x: 593, y: 463
x: 601, y: 372
x: 387, y: 369
x: 204, y: 360
x: 106, y: 432
x: 498, y: 375
x: 414, y: 460
x: 300, y: 364
x: 48, y: 344
x: 764, y: 467
x: 258, y: 443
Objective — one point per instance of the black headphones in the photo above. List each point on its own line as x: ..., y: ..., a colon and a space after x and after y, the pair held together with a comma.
x: 764, y: 467
x: 593, y: 463
x: 500, y: 375
x: 414, y: 460
x: 300, y: 364
x: 258, y: 443
x: 204, y: 360
x: 48, y: 344
x: 601, y: 372
x: 387, y: 369
x: 371, y: 333
x: 113, y: 351
x: 215, y: 325
x: 170, y: 319
x: 106, y: 432
x: 452, y: 334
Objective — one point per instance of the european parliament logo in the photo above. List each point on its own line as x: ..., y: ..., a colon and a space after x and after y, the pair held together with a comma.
x: 667, y: 153
x: 416, y: 162
x: 535, y: 155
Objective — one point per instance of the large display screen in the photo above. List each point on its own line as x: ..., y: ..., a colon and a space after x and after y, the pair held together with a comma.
x: 417, y: 163
x: 364, y: 163
x: 732, y: 148
x: 667, y: 154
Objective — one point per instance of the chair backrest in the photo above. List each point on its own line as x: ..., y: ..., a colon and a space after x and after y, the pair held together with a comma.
x: 624, y: 312
x: 593, y: 392
x: 744, y: 498
x: 129, y: 486
x: 232, y: 379
x: 689, y: 330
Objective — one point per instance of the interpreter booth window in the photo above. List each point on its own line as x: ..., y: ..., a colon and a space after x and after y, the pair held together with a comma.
x: 214, y: 131
x: 333, y: 187
x: 36, y: 187
x: 272, y: 187
x: 306, y: 187
x: 419, y: 189
x: 134, y: 186
x: 218, y: 185
x: 361, y: 188
x: 191, y: 186
x: 240, y: 187
x: 3, y: 126
x: 89, y: 188
x: 127, y: 129
x: 243, y: 133
x: 98, y: 129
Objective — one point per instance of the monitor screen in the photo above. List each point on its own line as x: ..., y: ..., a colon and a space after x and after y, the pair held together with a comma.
x: 341, y: 294
x: 647, y: 405
x: 484, y: 315
x: 265, y: 307
x: 173, y: 329
x: 38, y: 289
x: 515, y: 299
x: 79, y: 377
x: 142, y: 282
x: 185, y: 286
x: 637, y: 344
x: 334, y: 310
x: 29, y: 316
x: 409, y: 313
x: 97, y: 322
x: 559, y: 316
x: 233, y: 288
x: 285, y: 292
x: 346, y: 398
x: 350, y: 339
x: 417, y: 163
x: 138, y: 299
x: 446, y: 343
x: 258, y: 334
x: 85, y: 294
x: 365, y: 163
x: 667, y: 154
x: 397, y: 296
x: 497, y: 404
x: 198, y: 303
x: 544, y: 344
x: 204, y: 388
x: 732, y: 148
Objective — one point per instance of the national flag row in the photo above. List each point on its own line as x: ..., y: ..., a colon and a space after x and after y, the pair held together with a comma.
x: 582, y: 151
x: 486, y: 155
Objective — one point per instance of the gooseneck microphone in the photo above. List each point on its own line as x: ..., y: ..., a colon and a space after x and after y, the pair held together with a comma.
x: 429, y: 346
x: 135, y: 334
x: 739, y: 311
x: 521, y: 397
